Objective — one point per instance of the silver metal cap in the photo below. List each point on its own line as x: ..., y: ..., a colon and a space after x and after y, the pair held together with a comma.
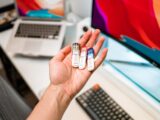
x: 76, y: 46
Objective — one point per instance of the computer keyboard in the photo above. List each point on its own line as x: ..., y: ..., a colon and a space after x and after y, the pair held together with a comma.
x: 38, y: 31
x: 100, y: 106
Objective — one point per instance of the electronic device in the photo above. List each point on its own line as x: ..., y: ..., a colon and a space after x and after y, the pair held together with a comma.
x: 133, y: 24
x: 83, y: 58
x: 138, y: 20
x: 90, y: 59
x: 82, y: 27
x: 40, y: 29
x: 75, y: 54
x: 100, y: 106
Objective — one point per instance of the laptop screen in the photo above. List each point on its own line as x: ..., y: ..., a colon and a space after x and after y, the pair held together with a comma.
x: 46, y: 9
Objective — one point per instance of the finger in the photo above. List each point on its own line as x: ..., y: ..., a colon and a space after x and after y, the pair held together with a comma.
x: 98, y: 45
x: 63, y: 53
x: 101, y: 58
x: 85, y: 38
x: 93, y: 38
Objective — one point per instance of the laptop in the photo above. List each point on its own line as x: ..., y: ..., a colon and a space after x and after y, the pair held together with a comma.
x: 40, y: 29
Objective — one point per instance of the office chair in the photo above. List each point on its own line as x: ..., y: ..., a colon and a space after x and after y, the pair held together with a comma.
x: 12, y: 106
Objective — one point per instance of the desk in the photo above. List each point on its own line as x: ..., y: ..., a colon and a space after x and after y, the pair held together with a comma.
x: 36, y: 74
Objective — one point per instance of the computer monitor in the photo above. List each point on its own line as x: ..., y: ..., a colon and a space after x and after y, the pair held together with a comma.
x: 139, y: 20
x: 47, y: 9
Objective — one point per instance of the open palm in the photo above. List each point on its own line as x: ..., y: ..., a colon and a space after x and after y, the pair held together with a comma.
x: 73, y: 79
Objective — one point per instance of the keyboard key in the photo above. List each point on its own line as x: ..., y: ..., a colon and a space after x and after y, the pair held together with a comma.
x: 92, y: 113
x: 96, y: 87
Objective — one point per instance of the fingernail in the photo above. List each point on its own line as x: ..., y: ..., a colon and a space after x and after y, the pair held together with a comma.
x: 97, y: 30
x: 102, y: 38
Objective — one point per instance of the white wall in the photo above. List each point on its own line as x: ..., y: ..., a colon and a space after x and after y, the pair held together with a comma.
x: 5, y: 2
x: 82, y: 7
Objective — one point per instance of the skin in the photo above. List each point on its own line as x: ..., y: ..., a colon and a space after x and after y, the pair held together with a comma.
x: 66, y: 81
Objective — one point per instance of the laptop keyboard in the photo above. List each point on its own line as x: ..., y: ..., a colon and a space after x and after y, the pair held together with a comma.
x: 100, y: 106
x: 38, y: 31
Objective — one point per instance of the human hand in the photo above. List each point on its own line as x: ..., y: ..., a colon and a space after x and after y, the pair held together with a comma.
x: 71, y: 79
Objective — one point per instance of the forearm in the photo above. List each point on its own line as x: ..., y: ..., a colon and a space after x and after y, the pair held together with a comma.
x: 52, y: 105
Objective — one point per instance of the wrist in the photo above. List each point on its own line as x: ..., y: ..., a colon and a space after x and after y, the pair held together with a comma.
x: 57, y: 92
x: 54, y: 102
x: 52, y: 105
x: 58, y: 96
